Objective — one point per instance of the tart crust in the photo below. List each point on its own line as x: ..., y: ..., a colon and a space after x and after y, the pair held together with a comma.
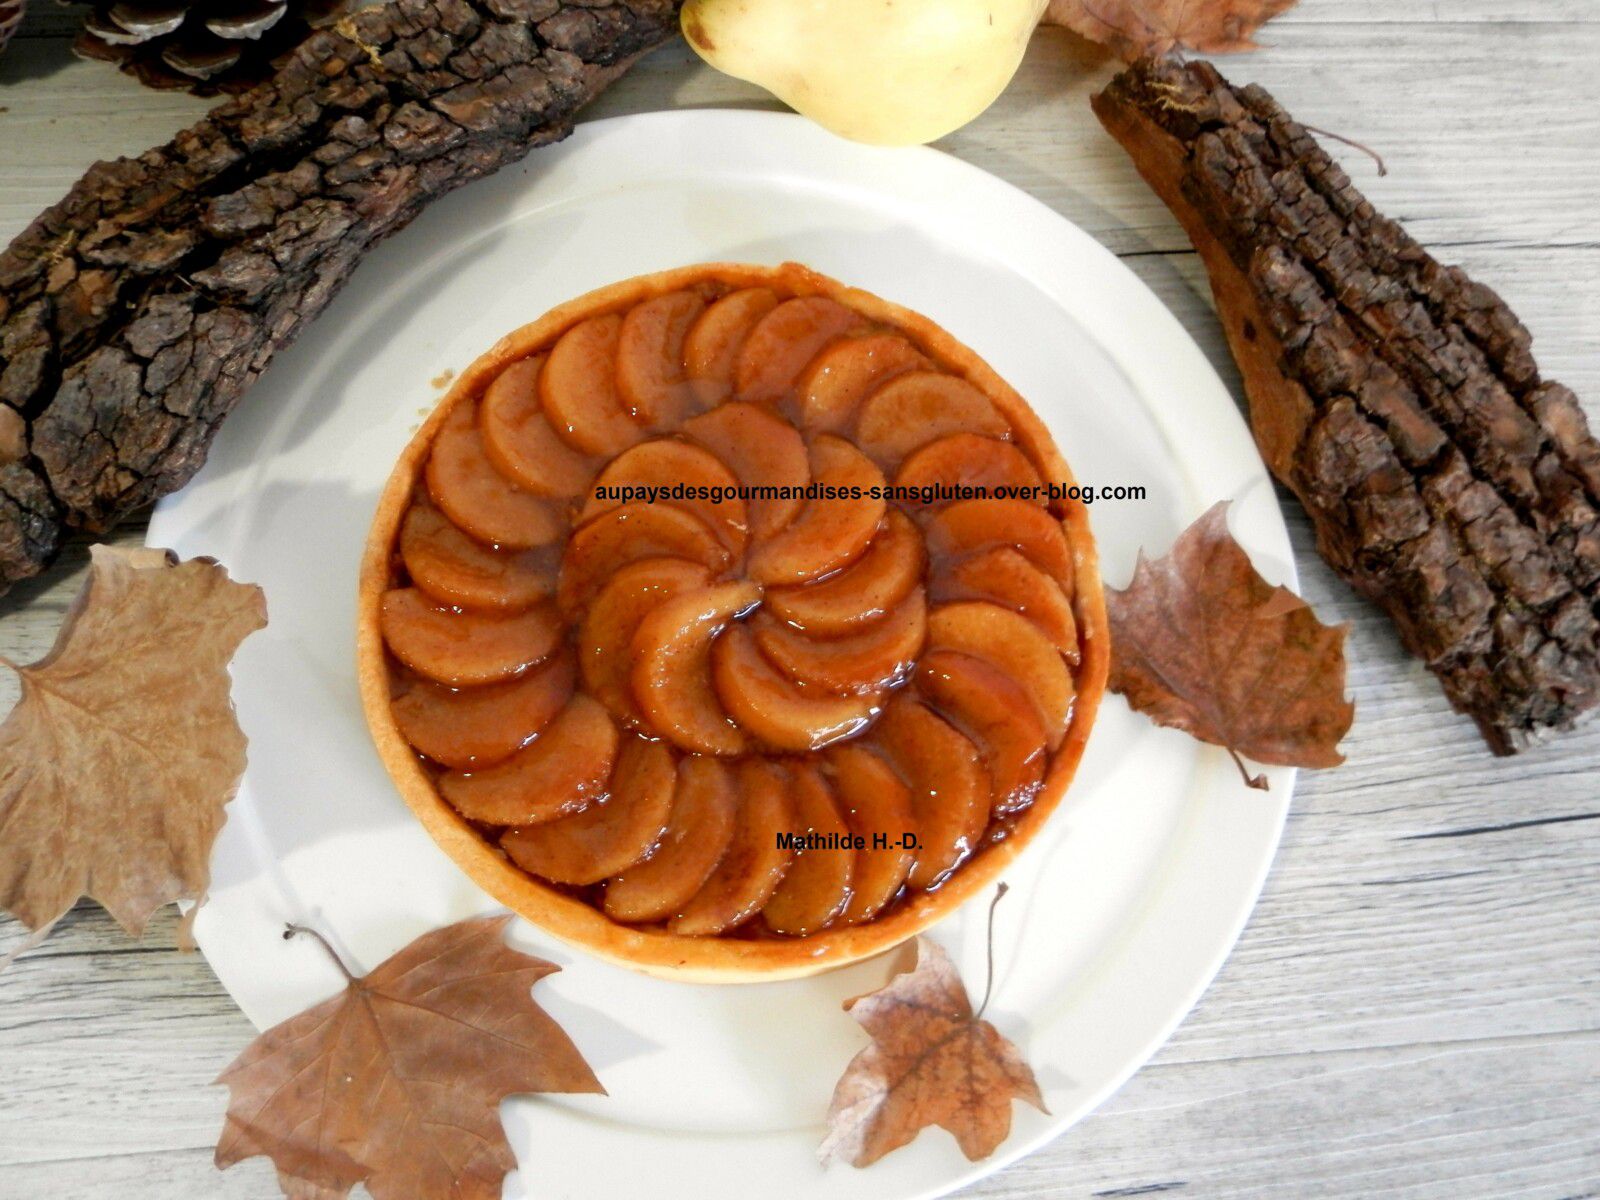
x: 721, y: 959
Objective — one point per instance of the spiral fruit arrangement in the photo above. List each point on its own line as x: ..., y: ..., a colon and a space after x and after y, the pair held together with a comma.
x: 722, y: 621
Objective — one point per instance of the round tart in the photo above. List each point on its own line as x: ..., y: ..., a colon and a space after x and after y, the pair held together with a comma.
x: 723, y: 622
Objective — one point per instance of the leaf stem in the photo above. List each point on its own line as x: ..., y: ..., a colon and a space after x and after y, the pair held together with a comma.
x: 1259, y: 782
x: 1383, y: 168
x: 988, y: 985
x: 32, y: 941
x: 290, y: 931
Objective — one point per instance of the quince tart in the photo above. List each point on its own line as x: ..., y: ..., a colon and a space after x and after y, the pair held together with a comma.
x: 722, y: 622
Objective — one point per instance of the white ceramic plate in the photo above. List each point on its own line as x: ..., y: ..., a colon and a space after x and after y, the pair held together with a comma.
x: 1123, y: 908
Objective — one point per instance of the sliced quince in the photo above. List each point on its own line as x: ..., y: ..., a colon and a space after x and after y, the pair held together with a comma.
x: 519, y: 440
x: 993, y: 710
x: 767, y: 704
x: 832, y: 531
x: 711, y: 350
x: 610, y: 835
x: 970, y: 525
x: 914, y: 409
x: 565, y: 770
x: 845, y: 373
x: 862, y: 592
x: 762, y: 449
x: 578, y: 388
x: 453, y: 569
x: 704, y: 811
x: 1005, y: 576
x: 784, y: 341
x: 601, y: 547
x: 816, y: 886
x: 650, y: 375
x: 665, y: 462
x: 672, y: 671
x: 754, y: 864
x: 605, y: 639
x: 1017, y: 647
x: 476, y: 726
x: 971, y: 460
x: 451, y: 646
x: 948, y: 784
x: 863, y: 661
x: 467, y: 488
x: 877, y: 804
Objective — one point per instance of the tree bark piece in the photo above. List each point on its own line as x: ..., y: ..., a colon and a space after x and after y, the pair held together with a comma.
x: 1398, y: 399
x: 135, y: 313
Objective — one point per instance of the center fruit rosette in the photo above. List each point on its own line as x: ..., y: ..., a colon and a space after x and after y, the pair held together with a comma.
x: 723, y: 622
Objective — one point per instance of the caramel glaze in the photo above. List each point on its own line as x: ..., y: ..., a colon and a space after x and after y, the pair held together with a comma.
x: 770, y: 635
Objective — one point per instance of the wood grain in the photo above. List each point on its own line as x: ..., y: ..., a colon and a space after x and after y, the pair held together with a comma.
x: 1414, y: 1010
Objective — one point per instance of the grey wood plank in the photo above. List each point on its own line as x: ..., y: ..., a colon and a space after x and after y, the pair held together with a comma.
x: 110, y: 1044
x: 1437, y: 12
x: 186, y: 1174
x: 1467, y: 1121
x: 1518, y: 177
x: 1523, y: 178
x: 49, y: 20
x: 1497, y: 1117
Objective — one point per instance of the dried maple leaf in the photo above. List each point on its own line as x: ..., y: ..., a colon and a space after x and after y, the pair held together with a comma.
x: 118, y: 759
x: 1200, y: 642
x: 932, y: 1061
x: 397, y: 1081
x: 1136, y: 29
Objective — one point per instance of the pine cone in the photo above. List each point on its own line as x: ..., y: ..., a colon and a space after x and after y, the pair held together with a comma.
x: 11, y: 12
x: 206, y: 46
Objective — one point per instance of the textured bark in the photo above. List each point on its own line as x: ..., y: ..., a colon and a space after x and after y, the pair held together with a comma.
x: 1398, y: 399
x: 135, y: 313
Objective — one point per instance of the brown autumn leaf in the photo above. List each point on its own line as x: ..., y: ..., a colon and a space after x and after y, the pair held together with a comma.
x: 1200, y: 642
x: 117, y: 761
x: 1135, y: 29
x: 397, y: 1081
x: 932, y: 1061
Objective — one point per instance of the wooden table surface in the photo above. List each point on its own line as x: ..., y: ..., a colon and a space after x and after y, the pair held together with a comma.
x: 1414, y: 1010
